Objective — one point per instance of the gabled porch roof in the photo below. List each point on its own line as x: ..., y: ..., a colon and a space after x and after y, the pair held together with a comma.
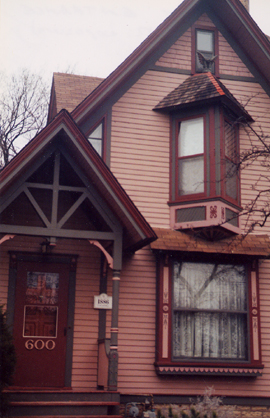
x: 136, y: 231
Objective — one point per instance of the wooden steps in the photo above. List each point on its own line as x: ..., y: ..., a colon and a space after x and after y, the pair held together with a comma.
x: 69, y: 416
x: 68, y: 404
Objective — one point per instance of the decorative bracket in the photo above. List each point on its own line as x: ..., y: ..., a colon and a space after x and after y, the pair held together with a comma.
x: 5, y: 238
x: 107, y: 255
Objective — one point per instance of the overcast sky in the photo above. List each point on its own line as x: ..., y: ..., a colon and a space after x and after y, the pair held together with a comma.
x: 90, y: 37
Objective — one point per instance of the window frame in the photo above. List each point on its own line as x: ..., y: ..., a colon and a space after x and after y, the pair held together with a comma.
x: 101, y: 122
x: 226, y: 158
x: 214, y: 167
x: 180, y: 158
x: 206, y: 28
x: 164, y: 341
x: 177, y: 158
x: 208, y: 310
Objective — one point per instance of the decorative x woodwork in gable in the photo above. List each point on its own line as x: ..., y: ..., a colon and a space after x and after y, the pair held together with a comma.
x: 56, y: 199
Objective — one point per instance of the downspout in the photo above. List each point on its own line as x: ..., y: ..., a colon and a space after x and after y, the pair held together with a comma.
x: 113, y: 354
x: 116, y: 264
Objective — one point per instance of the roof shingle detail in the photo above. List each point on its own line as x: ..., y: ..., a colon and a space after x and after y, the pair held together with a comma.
x: 200, y: 88
x: 250, y: 245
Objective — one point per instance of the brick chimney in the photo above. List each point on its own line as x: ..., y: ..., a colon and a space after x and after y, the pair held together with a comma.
x: 246, y: 4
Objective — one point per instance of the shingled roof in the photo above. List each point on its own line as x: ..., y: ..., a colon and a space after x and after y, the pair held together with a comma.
x: 257, y: 246
x: 199, y: 88
x: 71, y: 89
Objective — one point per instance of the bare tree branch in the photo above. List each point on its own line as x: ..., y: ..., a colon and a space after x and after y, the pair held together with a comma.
x: 23, y: 111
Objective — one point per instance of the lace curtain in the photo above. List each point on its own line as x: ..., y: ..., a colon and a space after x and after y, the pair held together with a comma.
x: 210, y: 311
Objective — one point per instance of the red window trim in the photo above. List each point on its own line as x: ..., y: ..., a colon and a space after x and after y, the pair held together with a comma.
x: 193, y: 46
x: 210, y: 154
x: 223, y: 119
x: 164, y: 363
x: 192, y: 196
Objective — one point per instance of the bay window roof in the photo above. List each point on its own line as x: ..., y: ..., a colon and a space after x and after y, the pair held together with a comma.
x: 252, y: 245
x: 200, y: 89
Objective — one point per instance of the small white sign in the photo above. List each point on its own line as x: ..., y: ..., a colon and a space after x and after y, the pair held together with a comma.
x: 103, y: 301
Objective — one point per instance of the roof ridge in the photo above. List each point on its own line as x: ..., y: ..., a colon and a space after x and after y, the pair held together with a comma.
x: 216, y: 84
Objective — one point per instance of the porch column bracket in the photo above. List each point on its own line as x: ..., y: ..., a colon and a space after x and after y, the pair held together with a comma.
x: 107, y: 255
x: 113, y: 354
x: 5, y: 238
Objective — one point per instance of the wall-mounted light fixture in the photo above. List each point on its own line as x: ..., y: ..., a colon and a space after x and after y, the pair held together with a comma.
x: 48, y: 245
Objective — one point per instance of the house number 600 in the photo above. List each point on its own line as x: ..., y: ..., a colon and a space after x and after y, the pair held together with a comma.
x: 39, y: 344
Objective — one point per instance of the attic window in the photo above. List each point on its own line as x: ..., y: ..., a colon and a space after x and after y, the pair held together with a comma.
x: 96, y: 138
x: 205, y: 51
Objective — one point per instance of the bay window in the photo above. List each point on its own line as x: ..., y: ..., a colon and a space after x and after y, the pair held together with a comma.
x: 204, y: 115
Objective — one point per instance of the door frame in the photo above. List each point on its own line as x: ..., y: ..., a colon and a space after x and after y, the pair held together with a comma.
x: 16, y: 257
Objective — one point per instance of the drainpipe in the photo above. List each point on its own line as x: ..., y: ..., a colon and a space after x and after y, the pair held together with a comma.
x: 113, y: 355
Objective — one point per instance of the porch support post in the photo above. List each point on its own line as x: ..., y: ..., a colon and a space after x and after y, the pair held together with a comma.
x: 113, y: 355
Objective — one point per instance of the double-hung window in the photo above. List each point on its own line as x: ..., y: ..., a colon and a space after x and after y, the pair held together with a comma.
x: 205, y: 50
x: 191, y: 156
x: 208, y: 317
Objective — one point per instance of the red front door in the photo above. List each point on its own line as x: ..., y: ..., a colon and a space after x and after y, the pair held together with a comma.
x: 40, y: 321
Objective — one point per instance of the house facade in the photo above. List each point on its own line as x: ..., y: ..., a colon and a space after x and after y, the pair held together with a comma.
x: 126, y: 266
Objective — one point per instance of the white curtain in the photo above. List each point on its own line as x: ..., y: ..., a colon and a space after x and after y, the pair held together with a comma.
x: 210, y: 311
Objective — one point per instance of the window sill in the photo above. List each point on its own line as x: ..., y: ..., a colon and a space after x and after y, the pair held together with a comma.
x: 213, y: 371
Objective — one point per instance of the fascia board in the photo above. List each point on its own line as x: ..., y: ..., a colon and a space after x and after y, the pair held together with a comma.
x: 136, y: 58
x: 248, y: 28
x: 110, y: 190
x: 35, y: 150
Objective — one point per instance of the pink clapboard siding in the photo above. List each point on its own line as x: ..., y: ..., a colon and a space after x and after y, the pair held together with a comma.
x: 257, y: 102
x: 179, y: 54
x: 137, y: 339
x: 142, y: 136
x: 229, y: 62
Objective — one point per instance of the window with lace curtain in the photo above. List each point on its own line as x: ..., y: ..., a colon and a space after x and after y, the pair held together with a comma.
x: 208, y: 316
